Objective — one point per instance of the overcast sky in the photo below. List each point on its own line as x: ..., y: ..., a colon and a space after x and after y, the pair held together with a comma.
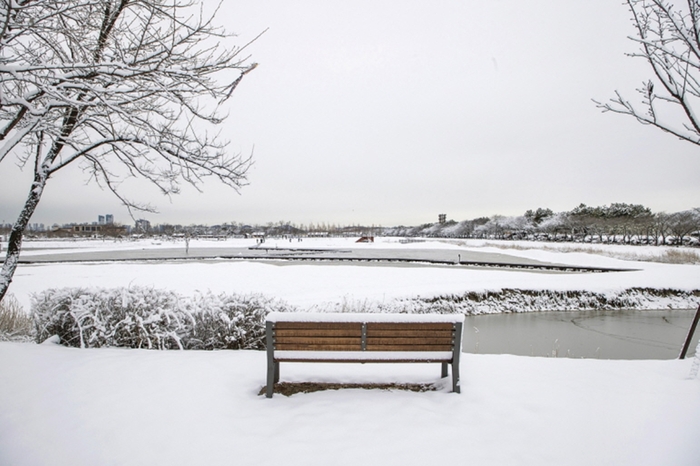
x: 388, y: 113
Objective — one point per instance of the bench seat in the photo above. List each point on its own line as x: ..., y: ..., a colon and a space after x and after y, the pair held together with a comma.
x: 363, y: 338
x: 363, y: 356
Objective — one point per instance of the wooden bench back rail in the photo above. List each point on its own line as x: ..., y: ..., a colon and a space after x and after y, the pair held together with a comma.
x: 356, y: 336
x: 363, y: 337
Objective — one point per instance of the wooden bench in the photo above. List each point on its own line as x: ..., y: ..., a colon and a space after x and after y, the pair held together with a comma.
x: 387, y: 338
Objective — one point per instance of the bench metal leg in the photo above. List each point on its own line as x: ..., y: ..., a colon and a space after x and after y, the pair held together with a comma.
x: 444, y: 369
x: 455, y: 377
x: 455, y: 358
x: 272, y: 366
x: 270, y: 379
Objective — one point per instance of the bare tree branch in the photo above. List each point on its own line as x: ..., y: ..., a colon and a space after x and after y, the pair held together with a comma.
x: 123, y: 88
x: 669, y: 38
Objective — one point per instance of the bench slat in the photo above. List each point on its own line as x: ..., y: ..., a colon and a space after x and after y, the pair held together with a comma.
x: 318, y: 325
x: 409, y: 347
x: 281, y: 340
x: 279, y: 333
x: 408, y: 326
x: 415, y: 333
x: 320, y: 347
x: 408, y: 341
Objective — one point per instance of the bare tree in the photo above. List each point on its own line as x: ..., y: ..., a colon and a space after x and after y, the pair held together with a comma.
x: 682, y: 224
x: 661, y: 221
x: 126, y: 88
x: 668, y: 34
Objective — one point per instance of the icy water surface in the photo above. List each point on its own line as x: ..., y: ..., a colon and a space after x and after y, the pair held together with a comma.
x: 626, y: 334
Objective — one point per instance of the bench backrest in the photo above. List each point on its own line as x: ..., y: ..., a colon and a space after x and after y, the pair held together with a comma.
x: 360, y: 336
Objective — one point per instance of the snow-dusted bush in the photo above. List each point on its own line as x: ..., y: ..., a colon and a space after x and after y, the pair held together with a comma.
x: 15, y: 323
x: 130, y: 317
x: 518, y: 300
x: 230, y: 321
x: 139, y: 317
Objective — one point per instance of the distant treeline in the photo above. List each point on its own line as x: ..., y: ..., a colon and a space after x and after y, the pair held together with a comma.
x: 614, y: 223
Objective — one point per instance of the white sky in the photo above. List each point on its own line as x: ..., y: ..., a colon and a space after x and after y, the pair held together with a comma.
x: 378, y: 112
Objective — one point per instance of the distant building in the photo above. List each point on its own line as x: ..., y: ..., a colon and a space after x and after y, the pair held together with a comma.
x: 91, y: 230
x: 35, y: 227
x: 142, y: 226
x: 106, y: 219
x: 87, y: 228
x: 442, y: 218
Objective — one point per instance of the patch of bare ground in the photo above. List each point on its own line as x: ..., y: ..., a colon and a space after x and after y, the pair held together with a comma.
x: 292, y: 388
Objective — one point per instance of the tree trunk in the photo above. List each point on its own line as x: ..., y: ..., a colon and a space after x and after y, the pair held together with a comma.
x: 14, y: 244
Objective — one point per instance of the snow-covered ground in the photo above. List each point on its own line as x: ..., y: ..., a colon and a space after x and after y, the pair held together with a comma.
x: 67, y: 406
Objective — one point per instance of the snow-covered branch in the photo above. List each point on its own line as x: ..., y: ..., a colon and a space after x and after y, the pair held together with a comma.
x: 123, y: 88
x: 668, y: 36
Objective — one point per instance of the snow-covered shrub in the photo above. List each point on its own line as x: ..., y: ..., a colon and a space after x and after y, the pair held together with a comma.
x: 140, y: 317
x: 230, y: 321
x: 131, y: 317
x: 517, y: 300
x: 15, y: 323
x: 521, y: 300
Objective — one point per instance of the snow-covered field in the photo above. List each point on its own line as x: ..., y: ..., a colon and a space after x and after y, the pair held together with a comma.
x: 323, y: 285
x: 67, y: 406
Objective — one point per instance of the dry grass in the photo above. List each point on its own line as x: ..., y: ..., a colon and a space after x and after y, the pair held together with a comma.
x: 14, y: 322
x: 289, y: 389
x: 679, y: 256
x: 668, y: 256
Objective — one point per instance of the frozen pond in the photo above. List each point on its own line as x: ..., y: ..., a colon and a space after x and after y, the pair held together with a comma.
x: 627, y: 334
